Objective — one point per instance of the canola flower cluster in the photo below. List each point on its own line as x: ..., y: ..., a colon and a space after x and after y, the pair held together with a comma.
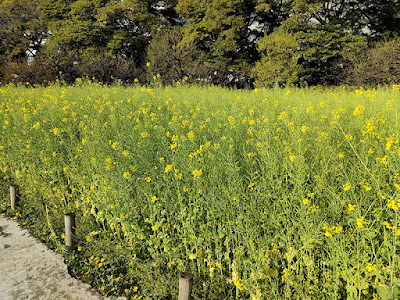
x: 266, y: 194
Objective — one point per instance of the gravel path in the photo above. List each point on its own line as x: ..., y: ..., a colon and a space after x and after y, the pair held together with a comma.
x: 29, y: 270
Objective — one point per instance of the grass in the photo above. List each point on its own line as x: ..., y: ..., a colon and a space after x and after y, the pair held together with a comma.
x: 263, y: 194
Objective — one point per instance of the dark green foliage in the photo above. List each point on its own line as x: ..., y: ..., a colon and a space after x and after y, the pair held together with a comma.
x: 225, y: 42
x: 174, y: 60
x: 221, y: 30
x: 279, y: 60
x: 374, y: 17
x: 84, y: 31
x: 21, y: 32
x: 326, y: 53
x: 312, y: 54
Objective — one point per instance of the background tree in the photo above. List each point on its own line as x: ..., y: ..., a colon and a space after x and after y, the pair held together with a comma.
x: 73, y: 32
x: 372, y: 17
x: 21, y: 32
x: 84, y: 28
x: 175, y: 61
x: 327, y: 53
x: 279, y: 61
x: 227, y: 31
x: 227, y: 42
x: 380, y: 65
x: 326, y: 46
x: 312, y: 54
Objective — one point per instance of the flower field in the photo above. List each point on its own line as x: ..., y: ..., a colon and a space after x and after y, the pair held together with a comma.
x: 263, y: 194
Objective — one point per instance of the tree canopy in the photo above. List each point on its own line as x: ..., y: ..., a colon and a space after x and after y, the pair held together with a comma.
x: 229, y: 42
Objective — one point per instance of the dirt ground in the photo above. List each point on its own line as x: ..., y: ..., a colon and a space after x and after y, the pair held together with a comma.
x: 29, y: 270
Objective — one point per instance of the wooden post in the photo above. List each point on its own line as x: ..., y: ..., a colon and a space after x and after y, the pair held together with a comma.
x: 185, y: 286
x: 12, y: 197
x: 69, y: 220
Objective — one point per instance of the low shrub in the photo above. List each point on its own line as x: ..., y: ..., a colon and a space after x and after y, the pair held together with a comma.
x: 27, y: 73
x: 381, y: 65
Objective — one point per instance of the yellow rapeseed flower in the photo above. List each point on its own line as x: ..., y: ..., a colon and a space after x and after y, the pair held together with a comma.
x: 239, y: 284
x: 388, y: 225
x: 346, y: 186
x: 358, y: 110
x: 371, y: 267
x: 351, y: 207
x: 314, y: 208
x: 197, y: 173
x: 393, y: 204
x: 285, y: 275
x: 382, y: 160
x: 365, y: 185
x: 56, y: 131
x: 251, y: 155
x: 349, y: 137
x: 168, y: 168
x: 190, y: 135
x: 178, y: 175
x: 360, y: 222
x: 116, y: 145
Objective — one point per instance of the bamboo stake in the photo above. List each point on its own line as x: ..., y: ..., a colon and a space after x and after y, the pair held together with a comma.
x: 69, y: 220
x: 185, y: 286
x: 12, y: 197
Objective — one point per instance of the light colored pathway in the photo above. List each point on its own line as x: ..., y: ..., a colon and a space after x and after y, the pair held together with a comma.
x: 29, y: 270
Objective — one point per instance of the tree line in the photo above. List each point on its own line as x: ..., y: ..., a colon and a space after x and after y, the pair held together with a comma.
x: 241, y: 43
